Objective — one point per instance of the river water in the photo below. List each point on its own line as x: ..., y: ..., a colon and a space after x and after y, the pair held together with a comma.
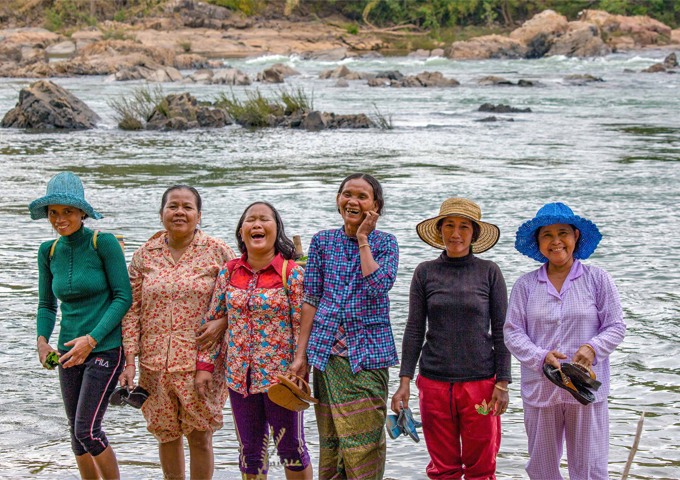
x: 610, y: 150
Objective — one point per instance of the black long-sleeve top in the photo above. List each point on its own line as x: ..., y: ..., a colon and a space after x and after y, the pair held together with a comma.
x: 457, y: 306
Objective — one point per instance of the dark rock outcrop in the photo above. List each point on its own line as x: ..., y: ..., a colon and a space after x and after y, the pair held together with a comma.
x: 46, y: 105
x: 671, y: 61
x: 582, y: 79
x: 182, y: 112
x: 656, y: 68
x: 315, y: 121
x: 390, y: 75
x: 488, y: 107
x: 493, y: 80
x: 424, y: 79
x: 276, y: 73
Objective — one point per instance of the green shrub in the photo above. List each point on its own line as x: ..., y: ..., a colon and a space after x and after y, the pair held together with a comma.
x: 382, y: 121
x: 248, y: 7
x: 296, y: 99
x: 352, y: 28
x: 120, y: 16
x: 186, y: 46
x: 253, y: 112
x: 133, y: 111
x: 53, y: 21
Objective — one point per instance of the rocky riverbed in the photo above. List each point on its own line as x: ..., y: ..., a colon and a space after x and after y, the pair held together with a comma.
x: 189, y: 35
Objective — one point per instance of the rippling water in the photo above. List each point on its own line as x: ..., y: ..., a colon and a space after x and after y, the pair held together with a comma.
x: 610, y: 150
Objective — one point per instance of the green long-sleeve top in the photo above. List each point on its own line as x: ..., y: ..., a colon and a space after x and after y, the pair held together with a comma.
x: 92, y: 285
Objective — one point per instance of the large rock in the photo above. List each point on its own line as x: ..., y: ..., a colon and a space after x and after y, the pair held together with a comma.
x: 45, y: 105
x: 671, y: 61
x: 182, y: 112
x: 539, y: 33
x: 675, y: 36
x: 488, y: 46
x: 501, y: 108
x: 379, y: 82
x: 390, y: 74
x: 582, y: 40
x: 61, y: 48
x: 276, y: 73
x: 642, y: 29
x: 656, y: 68
x: 231, y: 76
x: 337, y: 72
x: 204, y: 75
x: 582, y: 79
x: 493, y: 80
x: 330, y: 55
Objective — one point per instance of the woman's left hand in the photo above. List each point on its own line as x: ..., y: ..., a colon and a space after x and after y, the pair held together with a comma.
x: 77, y: 355
x: 499, y: 400
x: 211, y: 333
x: 584, y: 356
x: 368, y: 225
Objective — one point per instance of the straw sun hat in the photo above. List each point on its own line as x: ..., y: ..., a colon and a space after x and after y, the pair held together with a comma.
x: 459, y: 207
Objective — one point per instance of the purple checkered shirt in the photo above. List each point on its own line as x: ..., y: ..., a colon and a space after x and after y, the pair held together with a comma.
x: 361, y: 304
x: 539, y: 319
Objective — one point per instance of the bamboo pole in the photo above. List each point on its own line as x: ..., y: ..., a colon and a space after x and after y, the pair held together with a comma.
x: 634, y: 448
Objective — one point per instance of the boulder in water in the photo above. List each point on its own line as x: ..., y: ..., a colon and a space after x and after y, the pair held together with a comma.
x: 501, y: 108
x: 425, y: 79
x: 341, y: 83
x: 181, y: 112
x: 493, y: 80
x: 582, y: 40
x: 657, y: 67
x: 487, y: 46
x: 46, y: 105
x: 230, y: 76
x: 671, y: 61
x: 539, y: 32
x: 582, y: 79
x: 390, y: 74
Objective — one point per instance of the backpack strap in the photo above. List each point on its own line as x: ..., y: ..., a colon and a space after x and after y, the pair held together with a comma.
x: 284, y: 275
x: 54, y: 245
x: 94, y: 239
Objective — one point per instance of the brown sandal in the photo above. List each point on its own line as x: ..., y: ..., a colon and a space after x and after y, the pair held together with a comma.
x: 289, y: 395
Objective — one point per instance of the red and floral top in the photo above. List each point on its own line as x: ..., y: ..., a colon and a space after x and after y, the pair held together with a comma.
x: 263, y: 322
x: 170, y: 299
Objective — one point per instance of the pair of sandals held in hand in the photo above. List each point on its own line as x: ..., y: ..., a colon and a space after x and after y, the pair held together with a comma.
x: 124, y: 396
x: 292, y: 393
x: 403, y: 424
x: 575, y: 378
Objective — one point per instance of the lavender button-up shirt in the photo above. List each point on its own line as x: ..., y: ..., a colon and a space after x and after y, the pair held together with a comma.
x: 539, y: 319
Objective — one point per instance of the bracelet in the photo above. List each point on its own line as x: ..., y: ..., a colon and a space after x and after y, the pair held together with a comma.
x: 590, y: 347
x: 364, y: 245
x: 129, y: 365
x: 87, y: 337
x: 502, y: 389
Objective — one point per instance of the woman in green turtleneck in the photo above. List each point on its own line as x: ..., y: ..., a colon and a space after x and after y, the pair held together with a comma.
x: 89, y: 278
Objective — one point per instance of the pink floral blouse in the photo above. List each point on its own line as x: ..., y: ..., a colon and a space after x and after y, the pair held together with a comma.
x: 263, y: 322
x: 170, y: 299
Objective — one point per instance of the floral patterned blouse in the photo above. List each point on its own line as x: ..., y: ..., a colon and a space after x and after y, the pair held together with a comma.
x: 170, y: 299
x: 263, y: 322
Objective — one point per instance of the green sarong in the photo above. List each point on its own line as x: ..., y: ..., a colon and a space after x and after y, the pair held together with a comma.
x: 351, y: 418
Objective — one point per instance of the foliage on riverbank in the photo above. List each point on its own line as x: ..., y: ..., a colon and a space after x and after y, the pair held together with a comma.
x: 134, y: 111
x: 444, y: 19
x: 256, y: 109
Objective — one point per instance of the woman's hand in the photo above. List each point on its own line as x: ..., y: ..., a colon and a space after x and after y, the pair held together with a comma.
x: 401, y: 396
x: 553, y: 358
x: 299, y: 366
x: 585, y: 356
x: 44, y: 350
x: 203, y: 383
x: 211, y: 333
x: 499, y: 399
x: 127, y: 377
x: 367, y: 226
x: 77, y: 355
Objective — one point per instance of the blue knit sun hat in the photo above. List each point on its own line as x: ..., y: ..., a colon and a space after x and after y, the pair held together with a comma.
x: 64, y: 188
x: 550, y: 214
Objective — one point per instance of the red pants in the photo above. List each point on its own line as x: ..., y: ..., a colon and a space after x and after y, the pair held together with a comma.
x: 459, y: 439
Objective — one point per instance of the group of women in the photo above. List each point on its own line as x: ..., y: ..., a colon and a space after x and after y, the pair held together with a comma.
x: 205, y: 325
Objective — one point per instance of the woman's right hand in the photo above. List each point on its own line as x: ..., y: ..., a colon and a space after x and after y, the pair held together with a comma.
x: 553, y: 358
x: 203, y: 383
x: 128, y: 376
x: 44, y: 350
x: 211, y: 333
x: 299, y: 366
x: 401, y: 396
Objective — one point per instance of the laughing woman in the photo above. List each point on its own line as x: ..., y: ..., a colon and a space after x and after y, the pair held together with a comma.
x: 87, y: 274
x: 346, y: 334
x: 565, y: 309
x: 262, y: 317
x: 173, y: 276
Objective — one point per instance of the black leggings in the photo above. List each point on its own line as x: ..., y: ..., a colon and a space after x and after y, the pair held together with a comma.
x: 86, y: 389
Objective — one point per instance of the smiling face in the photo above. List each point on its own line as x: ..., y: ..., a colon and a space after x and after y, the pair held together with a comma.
x: 457, y: 236
x: 65, y: 219
x: 258, y: 230
x: 557, y: 242
x: 180, y: 215
x: 355, y: 199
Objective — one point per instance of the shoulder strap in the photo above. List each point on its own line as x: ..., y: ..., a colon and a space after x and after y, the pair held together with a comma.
x: 284, y: 275
x: 54, y: 245
x: 94, y: 239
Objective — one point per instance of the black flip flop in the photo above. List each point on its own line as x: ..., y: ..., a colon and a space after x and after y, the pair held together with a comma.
x: 581, y: 375
x: 583, y: 395
x: 124, y: 396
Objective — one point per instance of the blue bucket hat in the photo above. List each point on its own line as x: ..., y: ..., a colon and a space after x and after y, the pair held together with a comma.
x: 64, y: 188
x: 550, y: 214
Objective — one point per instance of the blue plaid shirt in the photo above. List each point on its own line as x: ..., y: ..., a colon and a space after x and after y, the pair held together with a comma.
x: 333, y: 276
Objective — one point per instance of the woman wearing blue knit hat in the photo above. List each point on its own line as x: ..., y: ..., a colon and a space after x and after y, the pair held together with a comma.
x: 564, y: 310
x: 86, y: 272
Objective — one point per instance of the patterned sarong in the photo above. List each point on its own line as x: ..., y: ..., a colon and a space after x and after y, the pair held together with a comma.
x: 351, y: 419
